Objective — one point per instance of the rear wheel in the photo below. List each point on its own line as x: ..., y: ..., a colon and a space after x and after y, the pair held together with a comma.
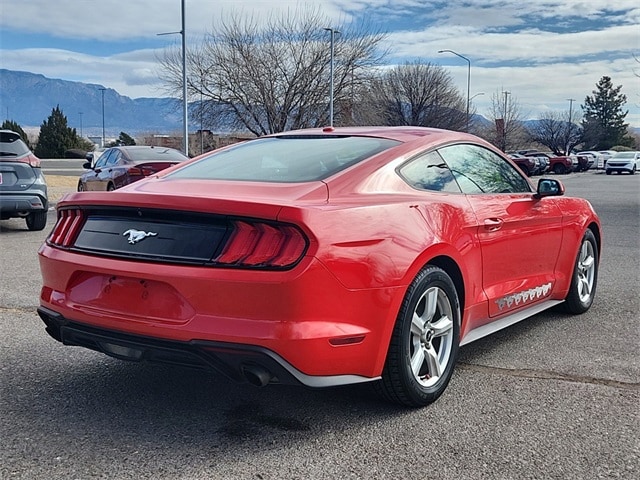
x: 425, y: 341
x: 559, y: 169
x: 36, y: 220
x: 585, y: 276
x: 81, y: 187
x: 111, y: 187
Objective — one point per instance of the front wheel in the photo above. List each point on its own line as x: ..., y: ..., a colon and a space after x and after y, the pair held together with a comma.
x: 425, y: 341
x: 585, y: 276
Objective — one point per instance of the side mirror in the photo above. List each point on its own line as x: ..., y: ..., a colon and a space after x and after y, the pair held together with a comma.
x: 549, y: 187
x: 86, y: 165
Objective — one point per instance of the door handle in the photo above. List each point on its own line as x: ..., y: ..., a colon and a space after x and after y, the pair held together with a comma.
x: 493, y: 224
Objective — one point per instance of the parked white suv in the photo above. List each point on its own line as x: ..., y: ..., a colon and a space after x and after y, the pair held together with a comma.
x: 623, y: 162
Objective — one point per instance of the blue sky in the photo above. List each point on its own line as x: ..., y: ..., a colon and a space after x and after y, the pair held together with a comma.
x: 544, y: 52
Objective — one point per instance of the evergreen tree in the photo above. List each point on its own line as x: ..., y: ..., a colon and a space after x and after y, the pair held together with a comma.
x: 603, y: 121
x: 56, y: 137
x: 123, y: 139
x: 14, y: 127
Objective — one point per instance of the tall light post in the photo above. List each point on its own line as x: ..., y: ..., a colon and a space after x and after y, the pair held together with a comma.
x: 504, y: 129
x: 80, y: 113
x: 102, y: 89
x: 468, y: 79
x: 571, y: 100
x: 333, y: 32
x: 185, y: 113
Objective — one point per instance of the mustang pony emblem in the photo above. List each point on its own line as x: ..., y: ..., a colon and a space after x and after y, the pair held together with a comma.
x: 136, y: 235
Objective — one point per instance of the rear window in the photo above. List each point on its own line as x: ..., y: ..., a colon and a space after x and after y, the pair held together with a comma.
x: 285, y: 159
x: 11, y: 145
x: 155, y: 153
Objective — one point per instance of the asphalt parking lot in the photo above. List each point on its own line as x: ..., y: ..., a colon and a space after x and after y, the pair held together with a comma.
x: 554, y: 397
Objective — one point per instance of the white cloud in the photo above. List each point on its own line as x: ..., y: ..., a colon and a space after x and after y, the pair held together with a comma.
x: 548, y: 65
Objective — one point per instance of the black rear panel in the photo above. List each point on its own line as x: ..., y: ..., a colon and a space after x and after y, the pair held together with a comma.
x: 154, y: 235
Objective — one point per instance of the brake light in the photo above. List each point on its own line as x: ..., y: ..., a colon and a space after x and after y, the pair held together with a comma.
x: 67, y: 227
x: 141, y: 171
x: 262, y: 244
x: 34, y: 161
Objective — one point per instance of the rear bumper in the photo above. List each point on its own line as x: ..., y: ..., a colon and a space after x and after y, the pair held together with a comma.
x: 26, y: 202
x: 238, y: 362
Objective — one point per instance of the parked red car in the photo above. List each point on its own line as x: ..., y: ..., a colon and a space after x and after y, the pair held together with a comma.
x: 319, y: 257
x: 120, y: 166
x: 560, y: 164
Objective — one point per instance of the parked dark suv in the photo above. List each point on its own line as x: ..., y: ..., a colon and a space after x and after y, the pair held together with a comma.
x: 23, y: 190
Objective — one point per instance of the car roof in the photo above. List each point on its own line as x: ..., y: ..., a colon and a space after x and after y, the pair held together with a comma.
x: 401, y: 134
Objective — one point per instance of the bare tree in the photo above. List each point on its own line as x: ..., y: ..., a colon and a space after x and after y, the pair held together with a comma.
x: 508, y: 131
x: 275, y: 77
x: 556, y: 132
x: 420, y: 94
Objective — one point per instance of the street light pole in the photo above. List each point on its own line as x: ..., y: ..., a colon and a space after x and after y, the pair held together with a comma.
x: 80, y: 113
x: 504, y: 129
x: 333, y: 32
x: 185, y: 113
x: 468, y: 79
x: 102, y: 89
x: 571, y: 100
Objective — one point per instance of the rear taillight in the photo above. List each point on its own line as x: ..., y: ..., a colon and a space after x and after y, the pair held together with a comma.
x: 141, y: 171
x: 67, y: 228
x: 263, y: 245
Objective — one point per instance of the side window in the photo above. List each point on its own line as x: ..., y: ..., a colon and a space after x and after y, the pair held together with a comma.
x: 113, y: 158
x: 479, y: 170
x: 104, y: 158
x: 429, y: 172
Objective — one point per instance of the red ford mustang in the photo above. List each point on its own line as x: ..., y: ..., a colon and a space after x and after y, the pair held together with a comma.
x: 319, y: 257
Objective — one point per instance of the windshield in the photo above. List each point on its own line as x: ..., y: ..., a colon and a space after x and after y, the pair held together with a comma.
x: 625, y: 155
x: 285, y: 159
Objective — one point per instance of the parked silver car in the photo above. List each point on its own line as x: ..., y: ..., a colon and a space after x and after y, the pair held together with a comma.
x: 23, y: 189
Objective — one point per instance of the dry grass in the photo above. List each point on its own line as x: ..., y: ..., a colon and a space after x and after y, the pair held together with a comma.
x: 61, y: 181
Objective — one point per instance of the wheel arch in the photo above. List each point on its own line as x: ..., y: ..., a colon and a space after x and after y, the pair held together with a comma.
x: 595, y: 229
x: 452, y: 269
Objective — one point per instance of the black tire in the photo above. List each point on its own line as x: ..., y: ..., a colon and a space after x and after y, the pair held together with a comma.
x: 585, y: 276
x: 559, y: 169
x: 428, y: 338
x: 36, y: 220
x: 110, y: 187
x: 608, y: 172
x: 81, y: 187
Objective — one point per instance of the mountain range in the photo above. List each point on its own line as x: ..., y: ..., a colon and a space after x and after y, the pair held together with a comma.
x: 29, y: 98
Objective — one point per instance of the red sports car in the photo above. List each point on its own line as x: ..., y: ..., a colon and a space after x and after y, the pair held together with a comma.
x: 319, y: 257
